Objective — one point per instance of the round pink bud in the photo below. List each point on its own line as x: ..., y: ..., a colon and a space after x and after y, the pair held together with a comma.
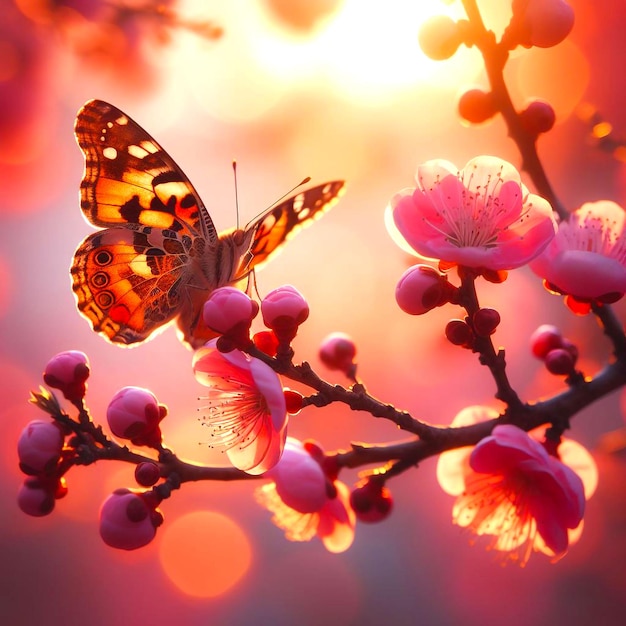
x: 35, y: 497
x: 147, y: 474
x: 544, y: 23
x: 439, y: 37
x: 545, y: 339
x: 459, y: 333
x: 485, y: 321
x: 337, y: 352
x: 39, y: 447
x: 68, y: 372
x: 371, y: 501
x: 134, y: 413
x: 227, y: 308
x: 284, y: 308
x: 538, y: 117
x: 126, y: 521
x: 560, y: 362
x: 477, y: 106
x: 422, y: 288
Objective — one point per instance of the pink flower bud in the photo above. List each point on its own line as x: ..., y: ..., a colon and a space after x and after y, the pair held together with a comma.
x: 538, y: 117
x: 545, y: 339
x: 477, y: 106
x: 371, y: 501
x: 422, y: 288
x: 35, y: 497
x: 337, y: 352
x: 227, y: 308
x: 134, y: 413
x: 440, y: 37
x: 284, y: 308
x: 126, y: 520
x: 39, y: 447
x: 68, y: 372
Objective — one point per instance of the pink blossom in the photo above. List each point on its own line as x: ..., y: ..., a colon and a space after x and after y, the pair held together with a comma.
x: 228, y: 307
x: 128, y: 521
x: 510, y: 488
x: 39, y: 447
x: 134, y: 413
x: 481, y: 217
x: 68, y: 371
x: 587, y: 258
x: 246, y: 411
x: 305, y: 503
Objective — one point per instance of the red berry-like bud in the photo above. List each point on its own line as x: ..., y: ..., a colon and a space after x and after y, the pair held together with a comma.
x: 68, y: 372
x: 422, y: 288
x: 545, y: 339
x: 439, y: 37
x: 134, y: 413
x: 266, y: 341
x: 538, y: 117
x: 337, y: 352
x: 477, y: 106
x: 560, y: 362
x: 459, y: 333
x: 371, y: 501
x: 39, y: 447
x: 227, y: 308
x: 293, y: 401
x: 542, y: 23
x: 485, y: 321
x: 147, y: 474
x: 126, y: 521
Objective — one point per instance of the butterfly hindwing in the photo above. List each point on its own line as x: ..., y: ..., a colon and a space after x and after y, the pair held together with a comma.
x: 130, y: 281
x: 129, y: 178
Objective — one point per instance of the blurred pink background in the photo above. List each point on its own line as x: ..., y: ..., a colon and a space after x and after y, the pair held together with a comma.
x: 328, y: 89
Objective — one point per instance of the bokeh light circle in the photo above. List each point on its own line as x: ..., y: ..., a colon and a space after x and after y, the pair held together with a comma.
x: 204, y: 553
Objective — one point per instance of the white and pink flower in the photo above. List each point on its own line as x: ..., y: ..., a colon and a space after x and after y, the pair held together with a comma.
x: 245, y: 411
x: 510, y: 488
x: 305, y: 502
x: 481, y: 217
x: 586, y: 261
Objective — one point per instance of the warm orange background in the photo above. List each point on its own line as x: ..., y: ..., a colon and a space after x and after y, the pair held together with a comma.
x: 354, y: 98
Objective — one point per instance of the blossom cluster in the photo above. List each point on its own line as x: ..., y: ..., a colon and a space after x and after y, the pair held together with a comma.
x: 516, y: 478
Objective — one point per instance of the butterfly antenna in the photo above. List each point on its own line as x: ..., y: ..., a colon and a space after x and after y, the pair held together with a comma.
x: 304, y: 181
x: 236, y: 192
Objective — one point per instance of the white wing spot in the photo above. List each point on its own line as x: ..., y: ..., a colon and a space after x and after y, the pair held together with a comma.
x: 110, y: 153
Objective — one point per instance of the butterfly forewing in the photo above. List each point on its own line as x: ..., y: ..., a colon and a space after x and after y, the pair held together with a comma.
x: 129, y: 178
x: 280, y: 223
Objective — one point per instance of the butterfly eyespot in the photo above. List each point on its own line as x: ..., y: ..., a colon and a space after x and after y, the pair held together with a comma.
x: 102, y: 258
x: 104, y: 299
x: 100, y: 279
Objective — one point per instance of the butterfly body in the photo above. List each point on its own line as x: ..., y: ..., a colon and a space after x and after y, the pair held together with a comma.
x: 159, y: 255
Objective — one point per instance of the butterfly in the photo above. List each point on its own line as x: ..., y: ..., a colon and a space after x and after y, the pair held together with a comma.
x: 158, y: 255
